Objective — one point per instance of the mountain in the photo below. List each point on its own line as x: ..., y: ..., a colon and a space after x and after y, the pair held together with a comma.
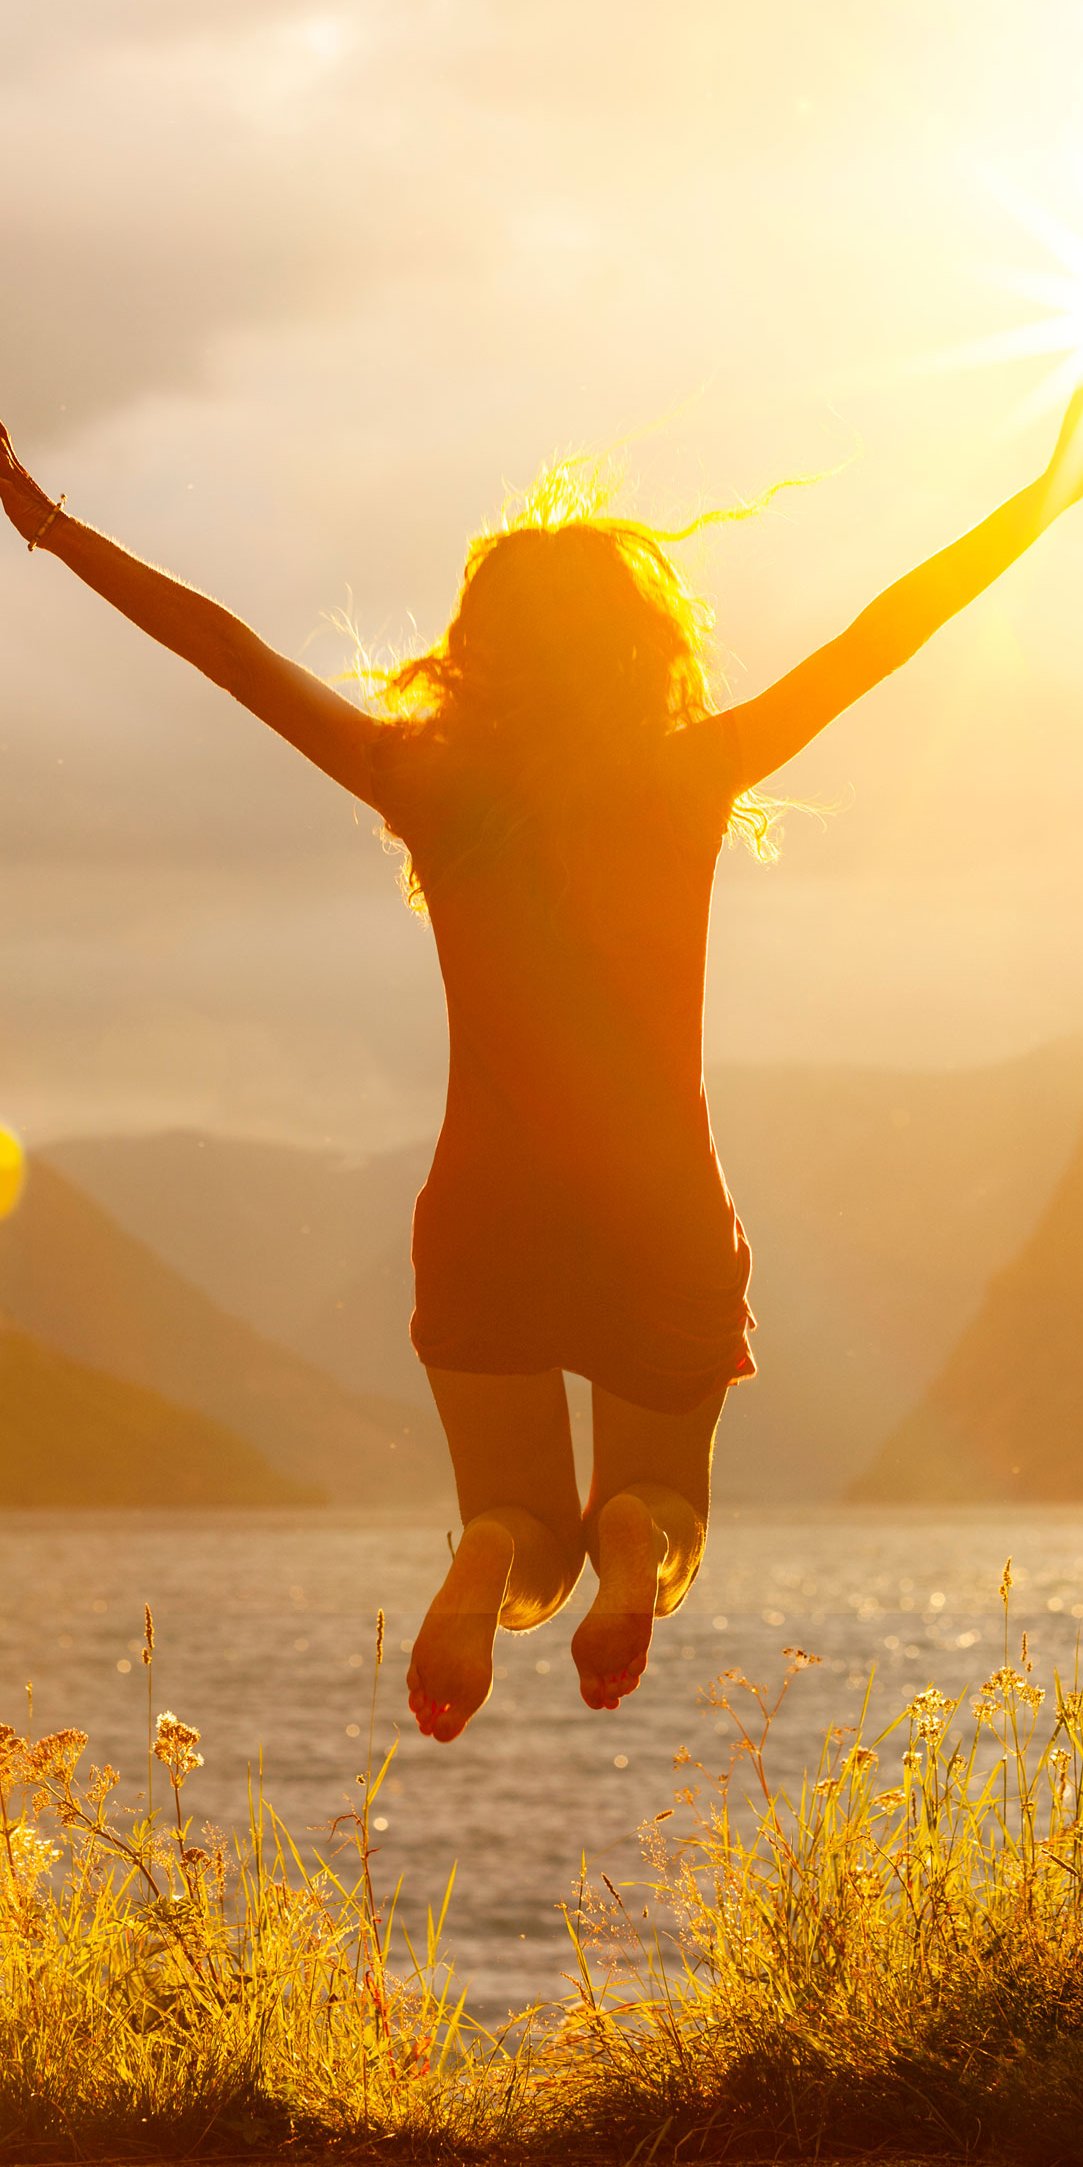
x: 70, y: 1436
x: 310, y: 1248
x: 877, y: 1202
x: 71, y: 1276
x: 1004, y: 1416
x: 877, y: 1205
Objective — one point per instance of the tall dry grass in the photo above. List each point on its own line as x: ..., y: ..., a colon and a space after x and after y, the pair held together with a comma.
x: 894, y: 1959
x: 177, y: 1995
x: 893, y: 1962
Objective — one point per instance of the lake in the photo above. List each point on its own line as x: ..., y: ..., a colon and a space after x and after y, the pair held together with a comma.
x: 265, y: 1639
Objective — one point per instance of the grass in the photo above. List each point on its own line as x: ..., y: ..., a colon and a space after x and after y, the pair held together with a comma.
x: 890, y: 1963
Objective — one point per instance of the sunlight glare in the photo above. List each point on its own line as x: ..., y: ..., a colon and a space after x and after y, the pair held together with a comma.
x: 1057, y: 291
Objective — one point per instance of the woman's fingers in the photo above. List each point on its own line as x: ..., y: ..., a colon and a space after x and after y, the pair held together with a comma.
x: 9, y: 464
x: 1070, y: 441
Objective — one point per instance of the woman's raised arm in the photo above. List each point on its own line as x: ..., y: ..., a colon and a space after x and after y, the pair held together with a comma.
x: 328, y: 729
x: 773, y: 727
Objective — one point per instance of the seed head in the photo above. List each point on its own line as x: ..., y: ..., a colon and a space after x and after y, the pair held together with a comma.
x: 1006, y: 1582
x: 379, y: 1636
x: 148, y: 1633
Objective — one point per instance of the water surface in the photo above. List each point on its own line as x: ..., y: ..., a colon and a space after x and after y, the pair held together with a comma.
x: 265, y: 1636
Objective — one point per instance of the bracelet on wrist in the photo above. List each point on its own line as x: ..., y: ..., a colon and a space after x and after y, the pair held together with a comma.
x: 53, y: 513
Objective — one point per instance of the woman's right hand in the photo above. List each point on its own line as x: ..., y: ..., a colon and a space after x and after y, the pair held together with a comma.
x: 1065, y: 469
x: 25, y: 504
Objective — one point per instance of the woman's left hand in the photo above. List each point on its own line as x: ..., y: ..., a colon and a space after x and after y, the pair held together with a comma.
x: 25, y: 504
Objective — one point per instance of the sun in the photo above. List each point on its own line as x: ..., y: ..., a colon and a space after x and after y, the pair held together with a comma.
x: 1055, y: 289
x: 12, y: 1171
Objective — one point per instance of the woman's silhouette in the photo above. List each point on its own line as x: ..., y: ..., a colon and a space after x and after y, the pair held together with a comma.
x: 562, y: 784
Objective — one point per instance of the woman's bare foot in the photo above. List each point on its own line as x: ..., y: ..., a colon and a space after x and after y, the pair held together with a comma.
x: 610, y: 1646
x: 451, y: 1673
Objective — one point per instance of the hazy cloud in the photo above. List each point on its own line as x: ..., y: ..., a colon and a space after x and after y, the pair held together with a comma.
x: 290, y: 292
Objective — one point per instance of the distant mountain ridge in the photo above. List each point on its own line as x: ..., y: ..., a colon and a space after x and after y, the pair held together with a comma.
x: 75, y: 1280
x: 1004, y: 1416
x: 71, y: 1436
x: 877, y: 1203
x: 310, y: 1248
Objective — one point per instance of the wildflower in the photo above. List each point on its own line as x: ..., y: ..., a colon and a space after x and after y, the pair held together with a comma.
x: 55, y: 1756
x: 175, y: 1747
x: 100, y: 1782
x: 864, y: 1757
x: 890, y: 1801
x: 1005, y: 1685
x: 929, y: 1712
x: 865, y: 1882
x: 800, y: 1658
x: 31, y: 1856
x: 1069, y: 1712
x: 911, y: 1758
x: 1060, y: 1760
x: 13, y: 1752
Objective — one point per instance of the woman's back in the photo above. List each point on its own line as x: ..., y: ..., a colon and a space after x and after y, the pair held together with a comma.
x: 575, y: 1172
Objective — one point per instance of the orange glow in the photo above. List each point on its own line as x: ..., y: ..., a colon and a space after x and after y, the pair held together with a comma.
x: 12, y: 1171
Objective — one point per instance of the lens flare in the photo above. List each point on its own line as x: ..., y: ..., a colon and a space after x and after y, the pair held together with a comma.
x: 12, y: 1171
x: 1055, y: 288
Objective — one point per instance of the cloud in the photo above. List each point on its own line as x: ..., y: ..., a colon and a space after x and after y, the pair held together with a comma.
x: 291, y: 291
x: 235, y: 172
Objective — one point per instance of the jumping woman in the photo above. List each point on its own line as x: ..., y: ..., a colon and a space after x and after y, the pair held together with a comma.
x: 562, y: 783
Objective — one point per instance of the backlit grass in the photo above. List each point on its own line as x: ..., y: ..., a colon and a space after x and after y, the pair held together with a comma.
x: 892, y: 1960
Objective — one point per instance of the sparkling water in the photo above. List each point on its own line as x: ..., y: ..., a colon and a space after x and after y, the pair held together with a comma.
x: 265, y: 1626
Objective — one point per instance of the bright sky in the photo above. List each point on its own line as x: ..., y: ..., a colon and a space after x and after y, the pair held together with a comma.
x: 291, y: 293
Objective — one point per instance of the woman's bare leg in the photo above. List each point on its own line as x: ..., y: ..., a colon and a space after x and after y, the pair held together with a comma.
x: 522, y: 1547
x: 645, y: 1526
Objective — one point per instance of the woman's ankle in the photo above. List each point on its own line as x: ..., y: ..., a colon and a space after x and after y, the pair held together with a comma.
x: 681, y: 1534
x: 543, y: 1572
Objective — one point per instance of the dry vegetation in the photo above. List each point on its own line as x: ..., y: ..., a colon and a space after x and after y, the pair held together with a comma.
x: 893, y: 1962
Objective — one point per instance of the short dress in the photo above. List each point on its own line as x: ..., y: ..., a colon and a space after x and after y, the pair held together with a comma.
x: 576, y: 1216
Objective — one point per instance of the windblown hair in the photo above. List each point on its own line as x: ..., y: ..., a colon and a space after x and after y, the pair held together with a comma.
x: 573, y: 639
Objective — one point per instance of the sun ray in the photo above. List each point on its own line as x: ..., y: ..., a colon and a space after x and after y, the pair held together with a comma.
x: 1056, y: 290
